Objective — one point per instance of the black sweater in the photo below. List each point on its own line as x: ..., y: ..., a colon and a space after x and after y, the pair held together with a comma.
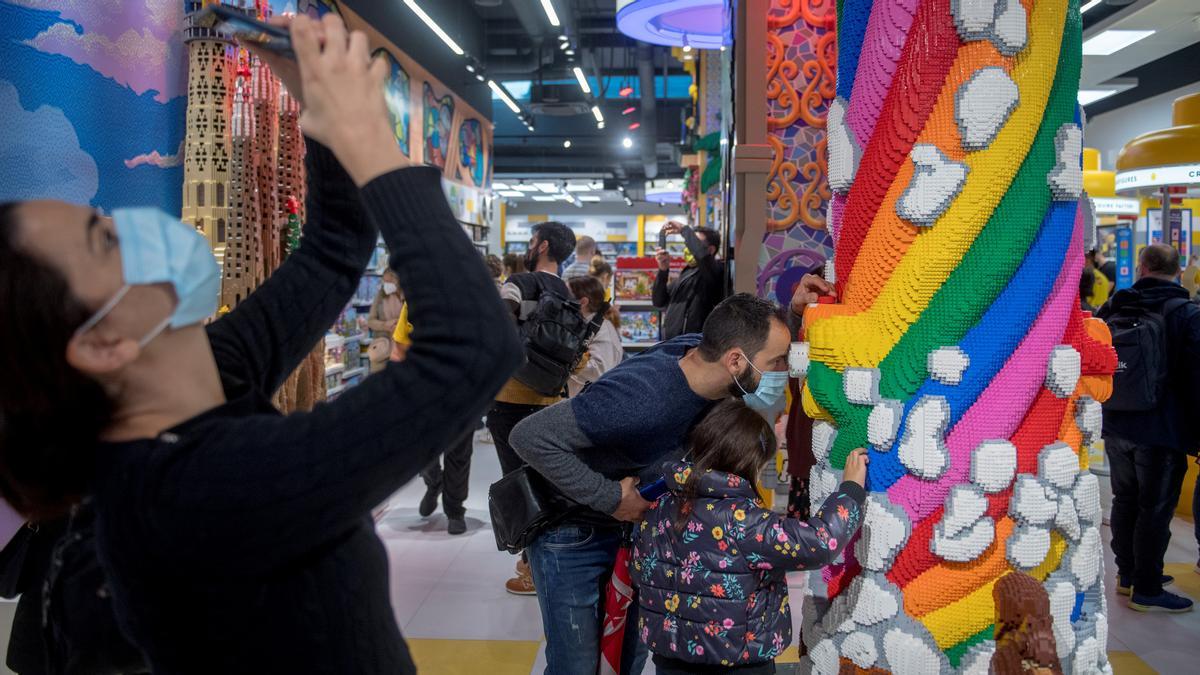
x: 691, y: 298
x: 240, y: 541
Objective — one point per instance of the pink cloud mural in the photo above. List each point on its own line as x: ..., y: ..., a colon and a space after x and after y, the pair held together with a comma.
x: 136, y: 60
x: 153, y: 158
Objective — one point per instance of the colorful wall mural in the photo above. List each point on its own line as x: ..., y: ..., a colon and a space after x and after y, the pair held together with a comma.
x: 93, y: 98
x: 801, y: 65
x: 398, y: 92
x: 439, y: 118
x: 92, y: 101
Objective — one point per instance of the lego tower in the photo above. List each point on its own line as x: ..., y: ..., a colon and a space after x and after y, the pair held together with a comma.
x: 206, y: 145
x: 243, y: 264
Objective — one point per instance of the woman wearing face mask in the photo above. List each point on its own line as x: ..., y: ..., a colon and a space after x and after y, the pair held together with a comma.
x: 236, y: 539
x: 385, y: 309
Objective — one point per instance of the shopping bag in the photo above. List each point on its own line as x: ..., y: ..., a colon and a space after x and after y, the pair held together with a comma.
x: 617, y: 600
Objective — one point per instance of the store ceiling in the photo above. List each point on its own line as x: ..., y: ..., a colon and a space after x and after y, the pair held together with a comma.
x: 1165, y: 60
x: 524, y: 52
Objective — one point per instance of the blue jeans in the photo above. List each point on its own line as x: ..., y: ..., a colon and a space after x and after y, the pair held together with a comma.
x: 571, y: 566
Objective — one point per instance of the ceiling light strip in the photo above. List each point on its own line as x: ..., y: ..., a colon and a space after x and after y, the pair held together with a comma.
x: 512, y: 105
x: 550, y: 13
x: 437, y: 30
x: 583, y: 83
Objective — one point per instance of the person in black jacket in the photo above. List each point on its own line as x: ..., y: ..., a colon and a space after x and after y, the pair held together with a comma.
x: 236, y: 539
x: 1147, y: 451
x: 689, y: 299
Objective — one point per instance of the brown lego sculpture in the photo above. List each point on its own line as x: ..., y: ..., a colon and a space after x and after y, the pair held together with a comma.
x: 1024, y: 628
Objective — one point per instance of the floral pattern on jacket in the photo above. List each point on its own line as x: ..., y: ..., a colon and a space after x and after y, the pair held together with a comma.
x: 716, y: 591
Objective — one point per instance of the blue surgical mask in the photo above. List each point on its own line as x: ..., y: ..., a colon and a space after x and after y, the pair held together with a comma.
x: 155, y: 249
x: 767, y: 396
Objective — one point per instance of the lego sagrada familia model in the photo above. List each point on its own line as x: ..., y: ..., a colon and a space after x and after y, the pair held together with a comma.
x: 244, y: 171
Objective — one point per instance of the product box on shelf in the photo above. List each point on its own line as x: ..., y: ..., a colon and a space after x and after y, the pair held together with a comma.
x: 640, y: 326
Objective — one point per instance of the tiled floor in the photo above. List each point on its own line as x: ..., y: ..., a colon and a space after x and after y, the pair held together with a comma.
x: 449, y: 597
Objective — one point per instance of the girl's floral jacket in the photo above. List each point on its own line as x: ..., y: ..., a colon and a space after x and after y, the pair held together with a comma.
x: 716, y: 593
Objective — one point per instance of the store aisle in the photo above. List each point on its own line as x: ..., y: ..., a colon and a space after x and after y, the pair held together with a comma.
x: 449, y: 597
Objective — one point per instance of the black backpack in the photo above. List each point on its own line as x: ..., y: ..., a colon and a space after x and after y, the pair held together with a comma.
x: 556, y: 337
x: 1140, y: 337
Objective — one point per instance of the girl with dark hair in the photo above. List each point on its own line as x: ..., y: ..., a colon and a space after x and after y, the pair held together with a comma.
x: 236, y: 539
x: 710, y: 559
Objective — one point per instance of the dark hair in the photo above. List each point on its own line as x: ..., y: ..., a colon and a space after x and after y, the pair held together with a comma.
x: 1087, y: 283
x: 731, y: 438
x: 559, y: 236
x: 590, y: 288
x: 50, y: 413
x: 711, y: 237
x: 495, y: 267
x: 1160, y: 259
x: 600, y: 267
x: 512, y: 263
x: 740, y: 320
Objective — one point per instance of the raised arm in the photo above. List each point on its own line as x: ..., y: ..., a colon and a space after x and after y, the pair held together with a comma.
x: 549, y: 440
x: 270, y: 332
x: 277, y: 487
x: 780, y: 542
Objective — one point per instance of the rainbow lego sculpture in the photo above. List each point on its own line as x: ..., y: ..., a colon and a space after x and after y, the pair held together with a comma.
x: 957, y: 352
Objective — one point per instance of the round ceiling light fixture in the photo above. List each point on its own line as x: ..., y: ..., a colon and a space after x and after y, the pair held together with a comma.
x: 702, y: 24
x: 627, y: 142
x: 567, y: 143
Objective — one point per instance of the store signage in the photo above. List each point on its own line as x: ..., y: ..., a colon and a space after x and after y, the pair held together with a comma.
x: 1116, y: 206
x: 1124, y: 257
x: 1181, y: 174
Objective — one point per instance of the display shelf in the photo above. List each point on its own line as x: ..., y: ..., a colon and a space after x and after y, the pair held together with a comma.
x: 335, y: 369
x: 336, y: 390
x: 333, y: 341
x: 353, y: 373
x: 623, y: 304
x: 638, y: 345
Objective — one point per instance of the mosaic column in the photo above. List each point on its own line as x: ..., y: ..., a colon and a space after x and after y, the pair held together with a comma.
x: 957, y: 354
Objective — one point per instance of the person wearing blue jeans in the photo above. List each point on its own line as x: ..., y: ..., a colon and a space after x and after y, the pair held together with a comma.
x: 571, y: 566
x: 596, y: 447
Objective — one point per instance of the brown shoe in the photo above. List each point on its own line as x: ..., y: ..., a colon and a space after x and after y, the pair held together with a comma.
x: 522, y: 584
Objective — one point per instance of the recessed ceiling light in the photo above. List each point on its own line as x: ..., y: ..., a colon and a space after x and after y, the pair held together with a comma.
x: 599, y: 125
x: 570, y: 52
x: 588, y: 198
x: 526, y: 187
x: 548, y: 188
x: 544, y: 198
x: 1112, y: 41
x: 511, y: 193
x: 564, y: 45
x: 1089, y: 96
x: 597, y: 113
x: 627, y: 142
x: 567, y: 143
x: 500, y: 186
x: 687, y: 49
x: 579, y: 187
x: 470, y: 68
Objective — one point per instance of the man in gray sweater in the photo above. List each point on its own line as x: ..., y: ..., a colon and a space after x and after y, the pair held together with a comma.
x: 596, y: 446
